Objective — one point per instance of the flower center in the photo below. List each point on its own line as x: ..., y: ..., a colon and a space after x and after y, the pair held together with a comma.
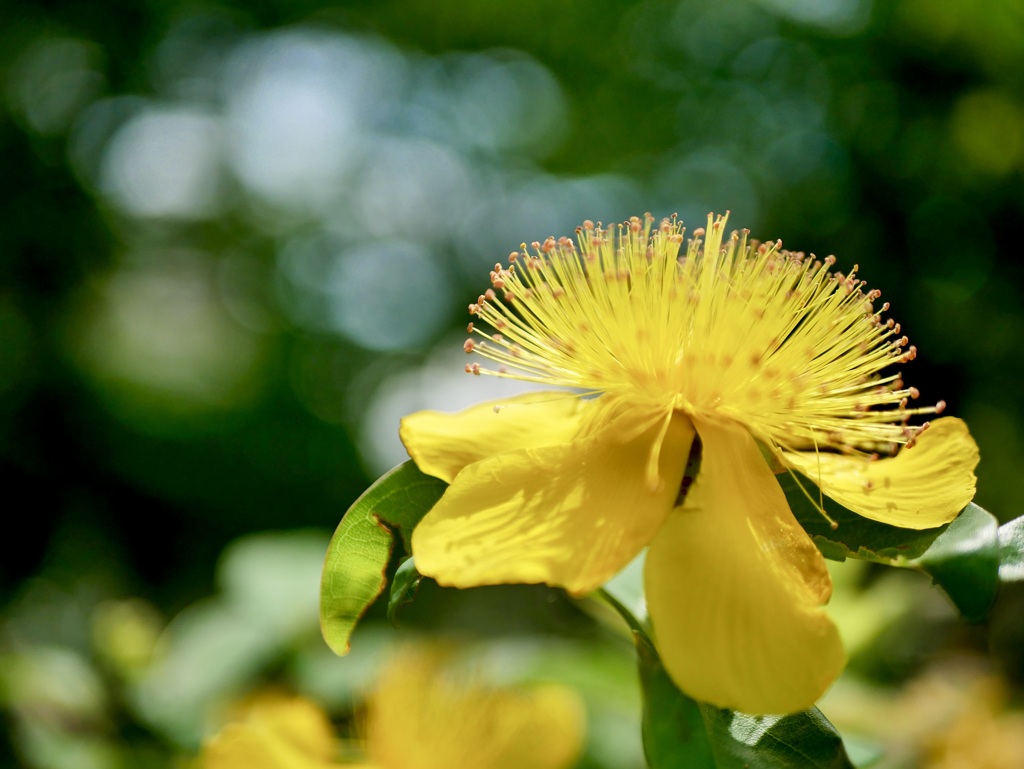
x: 740, y: 330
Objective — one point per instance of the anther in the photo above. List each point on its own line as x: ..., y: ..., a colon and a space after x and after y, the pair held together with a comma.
x: 469, y: 328
x: 940, y: 407
x: 469, y: 345
x: 915, y: 393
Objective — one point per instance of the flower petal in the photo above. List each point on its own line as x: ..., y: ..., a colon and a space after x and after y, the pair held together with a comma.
x: 442, y: 444
x: 241, y: 746
x: 919, y: 488
x: 425, y: 714
x: 735, y: 587
x: 570, y: 515
x: 542, y: 729
x: 275, y: 732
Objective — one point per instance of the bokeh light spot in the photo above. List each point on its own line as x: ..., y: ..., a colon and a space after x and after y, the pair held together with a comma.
x: 507, y: 102
x: 988, y: 130
x: 297, y: 104
x: 160, y: 346
x: 848, y: 17
x: 383, y: 295
x: 411, y: 187
x: 52, y: 80
x: 388, y: 295
x: 165, y: 163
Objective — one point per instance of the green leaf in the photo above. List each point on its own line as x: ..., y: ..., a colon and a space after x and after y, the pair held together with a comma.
x: 403, y: 588
x: 354, y: 571
x: 962, y: 557
x: 1011, y: 551
x: 964, y: 561
x: 681, y: 733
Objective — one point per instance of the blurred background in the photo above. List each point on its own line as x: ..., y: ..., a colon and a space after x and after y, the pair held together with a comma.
x: 237, y: 241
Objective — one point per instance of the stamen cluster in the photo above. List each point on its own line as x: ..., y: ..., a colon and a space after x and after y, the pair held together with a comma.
x: 741, y: 330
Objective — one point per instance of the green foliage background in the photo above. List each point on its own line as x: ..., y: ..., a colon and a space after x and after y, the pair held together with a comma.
x: 192, y: 349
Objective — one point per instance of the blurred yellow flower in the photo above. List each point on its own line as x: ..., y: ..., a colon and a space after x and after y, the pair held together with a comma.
x: 273, y: 731
x: 957, y: 714
x: 723, y: 350
x: 982, y: 735
x: 421, y: 716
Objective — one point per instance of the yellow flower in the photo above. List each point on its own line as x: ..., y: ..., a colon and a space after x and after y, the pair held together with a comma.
x: 728, y: 349
x: 274, y: 731
x: 421, y: 716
